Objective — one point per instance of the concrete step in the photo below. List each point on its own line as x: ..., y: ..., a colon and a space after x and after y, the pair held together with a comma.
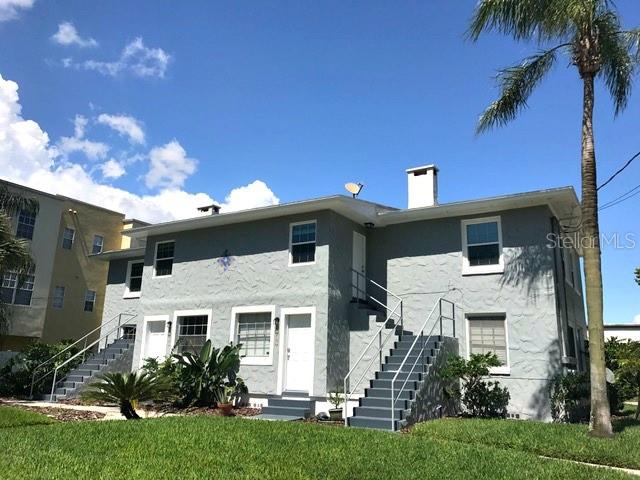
x: 386, y: 393
x: 383, y: 402
x: 287, y: 411
x: 378, y: 412
x: 393, y: 367
x: 410, y: 385
x: 415, y: 376
x: 292, y: 403
x: 377, y: 423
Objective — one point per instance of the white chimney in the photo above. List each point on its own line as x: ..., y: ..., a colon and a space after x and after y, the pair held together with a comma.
x: 423, y: 186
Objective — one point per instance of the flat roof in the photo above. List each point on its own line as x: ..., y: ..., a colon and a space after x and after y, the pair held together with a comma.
x: 622, y: 326
x: 120, y: 254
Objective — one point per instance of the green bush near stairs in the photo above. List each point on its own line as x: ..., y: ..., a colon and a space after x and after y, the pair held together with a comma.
x: 215, y: 447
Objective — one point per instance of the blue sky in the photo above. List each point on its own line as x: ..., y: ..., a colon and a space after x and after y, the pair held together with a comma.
x: 259, y: 102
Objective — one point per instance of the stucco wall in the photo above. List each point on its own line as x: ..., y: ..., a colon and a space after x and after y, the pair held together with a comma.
x: 421, y: 261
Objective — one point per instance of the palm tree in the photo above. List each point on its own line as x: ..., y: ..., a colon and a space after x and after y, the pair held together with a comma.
x: 14, y: 252
x: 590, y: 33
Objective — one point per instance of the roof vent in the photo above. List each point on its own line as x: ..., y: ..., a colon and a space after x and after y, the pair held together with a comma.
x: 213, y: 209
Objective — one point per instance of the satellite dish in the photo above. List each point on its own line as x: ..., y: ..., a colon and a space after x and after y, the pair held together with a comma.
x: 353, y: 188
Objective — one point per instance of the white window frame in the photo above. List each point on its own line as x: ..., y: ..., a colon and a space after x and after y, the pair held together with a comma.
x: 315, y: 256
x: 73, y: 237
x: 53, y: 300
x: 481, y: 269
x: 15, y: 289
x: 145, y: 321
x: 93, y: 243
x: 35, y: 215
x: 190, y: 313
x: 127, y: 293
x: 504, y: 369
x: 155, y: 258
x: 233, y: 331
x: 84, y: 302
x: 283, y: 335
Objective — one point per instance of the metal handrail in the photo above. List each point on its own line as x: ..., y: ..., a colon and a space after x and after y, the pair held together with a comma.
x: 394, y: 398
x: 95, y: 342
x: 393, y: 315
x: 85, y: 338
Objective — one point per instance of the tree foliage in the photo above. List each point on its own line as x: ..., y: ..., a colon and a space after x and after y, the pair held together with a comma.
x: 623, y: 357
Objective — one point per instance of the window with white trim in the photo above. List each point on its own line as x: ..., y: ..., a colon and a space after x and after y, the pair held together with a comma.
x: 58, y: 297
x: 254, y: 333
x: 26, y: 224
x: 134, y: 279
x: 302, y: 243
x: 16, y: 290
x: 98, y: 244
x: 488, y: 333
x: 89, y: 300
x: 68, y: 236
x: 482, y: 245
x: 163, y: 262
x: 191, y: 333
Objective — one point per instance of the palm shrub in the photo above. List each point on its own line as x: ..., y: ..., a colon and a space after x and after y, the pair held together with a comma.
x: 468, y: 384
x: 125, y: 389
x: 204, y: 376
x: 569, y: 395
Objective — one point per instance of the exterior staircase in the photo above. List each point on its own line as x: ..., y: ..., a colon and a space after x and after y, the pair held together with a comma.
x: 374, y: 410
x: 104, y: 361
x: 293, y: 407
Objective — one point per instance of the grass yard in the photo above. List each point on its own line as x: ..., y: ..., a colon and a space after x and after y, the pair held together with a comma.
x: 214, y: 447
x: 554, y: 440
x: 17, y: 417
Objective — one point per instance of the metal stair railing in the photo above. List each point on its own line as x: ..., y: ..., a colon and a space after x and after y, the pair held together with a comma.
x: 420, y: 355
x: 82, y: 340
x: 394, y: 315
x: 105, y: 337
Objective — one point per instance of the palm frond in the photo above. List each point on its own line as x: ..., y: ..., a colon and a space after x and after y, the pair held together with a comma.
x: 632, y: 37
x: 12, y: 203
x: 617, y: 63
x: 516, y: 84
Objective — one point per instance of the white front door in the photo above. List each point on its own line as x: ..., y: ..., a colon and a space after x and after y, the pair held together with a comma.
x: 298, y: 353
x: 155, y: 342
x: 359, y: 289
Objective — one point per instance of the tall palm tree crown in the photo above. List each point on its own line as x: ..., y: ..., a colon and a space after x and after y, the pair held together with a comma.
x: 590, y: 33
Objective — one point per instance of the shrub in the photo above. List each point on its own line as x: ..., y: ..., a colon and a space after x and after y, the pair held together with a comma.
x: 569, y: 396
x: 16, y: 375
x: 624, y: 359
x: 203, y: 377
x: 125, y: 389
x: 479, y: 396
x: 168, y: 374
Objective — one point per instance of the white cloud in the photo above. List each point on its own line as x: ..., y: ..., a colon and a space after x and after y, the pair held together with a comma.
x: 124, y: 125
x: 68, y: 35
x: 636, y: 319
x: 112, y: 169
x: 10, y: 9
x: 136, y: 58
x: 79, y: 126
x: 92, y: 150
x: 26, y: 157
x: 169, y: 166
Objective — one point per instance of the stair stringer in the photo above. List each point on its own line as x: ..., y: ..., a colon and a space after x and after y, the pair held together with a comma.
x: 431, y: 402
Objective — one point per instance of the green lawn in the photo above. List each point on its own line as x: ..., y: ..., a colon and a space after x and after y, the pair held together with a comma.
x: 554, y: 440
x: 16, y: 417
x: 209, y: 447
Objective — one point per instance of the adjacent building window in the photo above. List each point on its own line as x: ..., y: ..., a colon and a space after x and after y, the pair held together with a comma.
x: 254, y: 329
x: 163, y: 263
x: 26, y: 224
x: 571, y: 340
x: 482, y: 246
x: 302, y: 243
x: 134, y: 279
x: 58, y: 297
x: 191, y: 333
x: 488, y: 333
x: 89, y: 300
x: 98, y: 243
x: 16, y: 290
x: 67, y: 238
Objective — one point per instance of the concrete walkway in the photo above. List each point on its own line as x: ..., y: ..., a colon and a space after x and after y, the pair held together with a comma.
x: 110, y: 413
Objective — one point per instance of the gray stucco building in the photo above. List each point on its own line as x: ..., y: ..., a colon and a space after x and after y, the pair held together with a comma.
x: 280, y: 280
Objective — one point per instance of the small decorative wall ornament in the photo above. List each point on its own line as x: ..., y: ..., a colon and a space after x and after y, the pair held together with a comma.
x: 226, y: 260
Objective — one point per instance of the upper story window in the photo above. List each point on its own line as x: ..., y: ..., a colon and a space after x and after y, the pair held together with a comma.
x: 89, y: 300
x: 16, y: 291
x: 163, y: 262
x: 488, y: 333
x: 482, y: 246
x: 133, y: 285
x: 98, y: 243
x: 302, y: 243
x: 26, y: 224
x: 67, y: 238
x: 58, y: 297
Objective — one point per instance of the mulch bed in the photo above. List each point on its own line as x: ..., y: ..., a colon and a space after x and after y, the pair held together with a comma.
x: 328, y: 423
x: 62, y: 414
x: 236, y: 412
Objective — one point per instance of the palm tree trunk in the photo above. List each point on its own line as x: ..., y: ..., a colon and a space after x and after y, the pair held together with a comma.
x: 600, y: 421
